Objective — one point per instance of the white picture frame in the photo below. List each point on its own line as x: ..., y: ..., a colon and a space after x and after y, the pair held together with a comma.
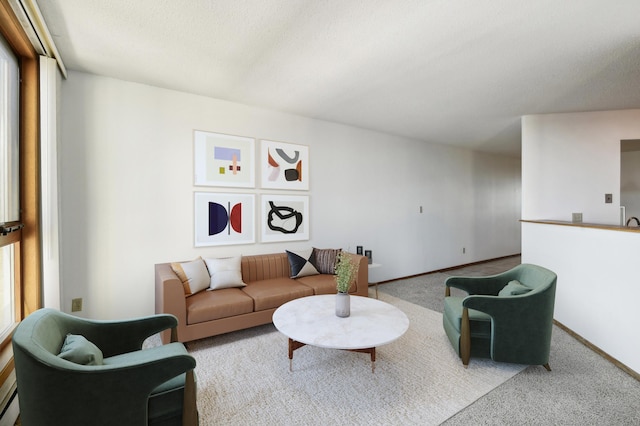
x: 223, y: 160
x: 284, y: 166
x: 223, y: 219
x: 284, y: 217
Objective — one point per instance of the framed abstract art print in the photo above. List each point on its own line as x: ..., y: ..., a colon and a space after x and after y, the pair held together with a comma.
x: 284, y: 218
x: 223, y: 219
x: 223, y: 160
x: 284, y: 166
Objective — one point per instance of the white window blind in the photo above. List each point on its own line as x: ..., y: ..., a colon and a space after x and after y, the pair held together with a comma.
x: 9, y: 135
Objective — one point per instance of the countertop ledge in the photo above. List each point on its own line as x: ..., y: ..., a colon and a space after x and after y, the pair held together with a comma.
x: 635, y: 229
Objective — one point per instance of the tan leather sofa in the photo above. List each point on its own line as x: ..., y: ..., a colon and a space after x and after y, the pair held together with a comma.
x: 209, y: 313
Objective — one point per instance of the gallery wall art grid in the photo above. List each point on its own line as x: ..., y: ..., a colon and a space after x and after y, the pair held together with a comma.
x: 223, y: 218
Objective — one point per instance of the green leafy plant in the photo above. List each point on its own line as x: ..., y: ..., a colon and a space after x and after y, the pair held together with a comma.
x: 346, y: 271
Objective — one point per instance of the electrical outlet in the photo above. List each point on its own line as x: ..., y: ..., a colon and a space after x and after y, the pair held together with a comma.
x: 76, y: 304
x: 464, y: 250
x: 576, y: 217
x: 608, y: 198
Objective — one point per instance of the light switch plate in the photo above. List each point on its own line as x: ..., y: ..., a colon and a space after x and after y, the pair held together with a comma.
x: 608, y: 198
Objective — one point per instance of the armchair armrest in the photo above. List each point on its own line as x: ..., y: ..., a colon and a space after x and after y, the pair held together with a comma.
x: 118, y: 337
x: 492, y: 305
x: 172, y: 355
x: 521, y: 325
x: 128, y: 379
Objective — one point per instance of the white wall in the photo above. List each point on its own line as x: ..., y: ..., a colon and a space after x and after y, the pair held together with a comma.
x: 569, y: 161
x: 597, y: 289
x: 126, y: 161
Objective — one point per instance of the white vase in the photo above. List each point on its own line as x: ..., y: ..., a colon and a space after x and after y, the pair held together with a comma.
x: 343, y: 305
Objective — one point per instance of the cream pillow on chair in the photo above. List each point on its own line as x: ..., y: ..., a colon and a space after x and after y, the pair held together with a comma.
x: 225, y: 273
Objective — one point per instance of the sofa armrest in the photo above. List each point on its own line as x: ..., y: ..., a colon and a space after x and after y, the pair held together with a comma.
x: 170, y: 298
x: 362, y: 278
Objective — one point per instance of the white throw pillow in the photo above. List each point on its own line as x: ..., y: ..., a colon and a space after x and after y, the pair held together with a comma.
x: 194, y: 275
x: 225, y: 273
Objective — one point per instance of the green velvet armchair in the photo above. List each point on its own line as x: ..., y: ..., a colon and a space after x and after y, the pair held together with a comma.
x: 73, y: 371
x: 506, y: 317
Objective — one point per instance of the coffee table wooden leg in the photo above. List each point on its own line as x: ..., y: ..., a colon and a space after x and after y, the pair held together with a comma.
x: 293, y: 345
x: 373, y: 360
x: 370, y: 351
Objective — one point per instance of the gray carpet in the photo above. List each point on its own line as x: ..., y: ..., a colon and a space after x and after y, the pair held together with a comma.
x: 582, y: 389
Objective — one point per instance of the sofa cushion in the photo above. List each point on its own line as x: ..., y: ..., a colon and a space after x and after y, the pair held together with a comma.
x: 225, y: 272
x: 212, y: 305
x: 269, y: 294
x: 79, y: 350
x: 300, y: 262
x: 479, y: 322
x: 513, y: 288
x: 325, y: 260
x: 321, y: 284
x: 193, y: 275
x: 265, y: 267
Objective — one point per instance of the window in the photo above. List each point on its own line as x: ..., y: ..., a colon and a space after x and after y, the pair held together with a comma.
x: 9, y: 135
x: 20, y: 252
x: 7, y: 288
x: 9, y: 186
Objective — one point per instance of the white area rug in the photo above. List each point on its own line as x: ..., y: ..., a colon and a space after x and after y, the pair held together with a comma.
x: 244, y: 378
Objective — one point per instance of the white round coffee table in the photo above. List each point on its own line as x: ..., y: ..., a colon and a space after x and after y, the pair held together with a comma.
x: 312, y: 321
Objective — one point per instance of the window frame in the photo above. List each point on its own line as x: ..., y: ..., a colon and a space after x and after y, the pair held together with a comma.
x: 28, y: 252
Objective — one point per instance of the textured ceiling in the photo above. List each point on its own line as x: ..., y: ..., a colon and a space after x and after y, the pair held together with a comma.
x: 458, y: 72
